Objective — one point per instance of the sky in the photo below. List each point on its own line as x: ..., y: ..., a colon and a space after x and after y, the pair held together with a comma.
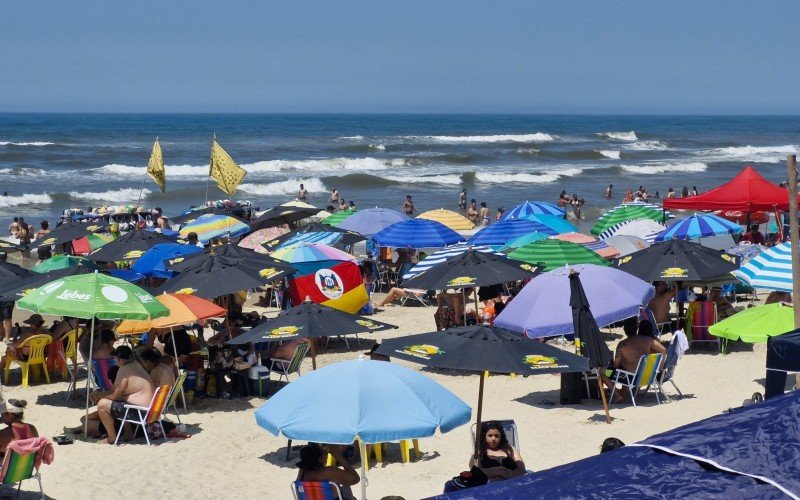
x: 408, y: 56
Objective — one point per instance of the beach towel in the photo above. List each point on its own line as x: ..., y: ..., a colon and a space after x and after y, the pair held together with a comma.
x: 699, y: 317
x: 39, y: 445
x: 681, y: 343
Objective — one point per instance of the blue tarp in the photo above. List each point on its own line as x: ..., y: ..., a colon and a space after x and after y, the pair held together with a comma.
x: 760, y: 440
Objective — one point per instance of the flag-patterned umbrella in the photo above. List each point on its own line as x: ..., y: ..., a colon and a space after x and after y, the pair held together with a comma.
x: 552, y: 254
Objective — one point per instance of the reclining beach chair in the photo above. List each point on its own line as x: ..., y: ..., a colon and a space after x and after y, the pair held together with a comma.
x: 646, y: 313
x: 19, y: 467
x: 284, y: 368
x: 36, y: 358
x: 172, y: 399
x: 700, y: 316
x: 316, y: 490
x: 510, y: 428
x: 666, y: 373
x: 100, y: 373
x: 416, y: 294
x: 645, y: 376
x: 146, y: 415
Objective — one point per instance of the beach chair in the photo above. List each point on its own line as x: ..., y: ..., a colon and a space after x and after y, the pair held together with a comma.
x: 36, y: 358
x: 19, y: 467
x: 510, y: 428
x: 172, y: 399
x: 700, y: 316
x: 316, y: 490
x: 645, y: 376
x: 284, y: 368
x: 645, y: 313
x: 416, y: 294
x: 666, y: 373
x: 100, y: 373
x: 70, y: 353
x: 146, y: 415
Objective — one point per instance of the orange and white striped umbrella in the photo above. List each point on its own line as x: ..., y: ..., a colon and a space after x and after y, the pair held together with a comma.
x: 183, y: 309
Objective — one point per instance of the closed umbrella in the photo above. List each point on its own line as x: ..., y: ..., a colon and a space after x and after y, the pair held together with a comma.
x: 417, y: 233
x: 698, y: 226
x: 770, y: 269
x: 372, y: 220
x: 502, y: 232
x: 677, y: 260
x: 552, y: 254
x: 372, y: 401
x: 453, y: 220
x: 532, y: 208
x: 542, y: 308
x: 130, y: 246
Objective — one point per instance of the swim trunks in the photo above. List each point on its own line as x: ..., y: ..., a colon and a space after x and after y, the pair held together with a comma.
x: 118, y: 409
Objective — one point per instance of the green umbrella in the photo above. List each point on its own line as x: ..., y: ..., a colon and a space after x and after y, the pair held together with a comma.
x: 552, y: 254
x: 63, y: 262
x: 626, y: 212
x: 335, y: 219
x: 756, y: 324
x: 92, y: 295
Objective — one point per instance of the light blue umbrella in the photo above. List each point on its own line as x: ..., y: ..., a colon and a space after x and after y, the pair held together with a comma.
x: 372, y: 401
x: 532, y: 207
x: 771, y: 269
x: 442, y: 255
x: 523, y: 240
x: 698, y: 226
x: 554, y: 222
x: 416, y: 233
x: 502, y: 232
x: 329, y: 239
x: 372, y: 220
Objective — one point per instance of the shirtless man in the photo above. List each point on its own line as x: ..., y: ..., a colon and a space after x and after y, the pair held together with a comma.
x: 302, y: 194
x: 132, y: 386
x: 630, y: 350
x: 335, y: 198
x: 660, y: 303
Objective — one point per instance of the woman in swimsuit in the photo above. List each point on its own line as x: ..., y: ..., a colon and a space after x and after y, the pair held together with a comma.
x: 472, y: 213
x: 497, y: 458
x: 484, y: 214
x: 312, y: 468
x: 17, y: 429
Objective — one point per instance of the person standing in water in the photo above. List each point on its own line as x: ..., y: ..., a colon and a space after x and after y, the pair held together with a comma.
x: 670, y: 193
x: 484, y: 214
x: 408, y: 206
x: 472, y: 213
x: 695, y: 192
x: 608, y: 190
x: 684, y: 192
x: 462, y: 200
x: 335, y: 198
x: 302, y: 194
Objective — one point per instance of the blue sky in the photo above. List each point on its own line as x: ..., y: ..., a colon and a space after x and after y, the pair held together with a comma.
x: 401, y: 56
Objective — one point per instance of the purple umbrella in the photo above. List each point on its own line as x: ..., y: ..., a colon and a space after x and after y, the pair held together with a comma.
x: 542, y: 308
x: 372, y: 220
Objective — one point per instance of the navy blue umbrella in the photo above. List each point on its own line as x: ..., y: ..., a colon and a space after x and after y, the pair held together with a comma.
x: 417, y: 233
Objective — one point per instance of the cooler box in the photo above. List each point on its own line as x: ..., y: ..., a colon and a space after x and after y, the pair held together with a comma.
x: 259, y: 380
x: 190, y: 383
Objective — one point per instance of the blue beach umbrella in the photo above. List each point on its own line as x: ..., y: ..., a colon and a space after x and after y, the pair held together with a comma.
x: 442, y: 255
x: 532, y: 208
x: 329, y: 239
x: 698, y: 226
x: 771, y: 269
x: 416, y: 233
x: 554, y: 222
x: 502, y: 232
x: 153, y: 261
x: 210, y: 226
x: 372, y: 401
x: 372, y: 220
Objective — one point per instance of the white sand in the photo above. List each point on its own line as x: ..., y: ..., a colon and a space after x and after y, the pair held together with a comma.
x: 229, y: 455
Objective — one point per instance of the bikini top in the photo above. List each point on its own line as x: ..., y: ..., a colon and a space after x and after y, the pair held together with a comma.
x: 508, y: 462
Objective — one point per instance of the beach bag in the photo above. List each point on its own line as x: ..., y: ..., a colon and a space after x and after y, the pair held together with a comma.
x: 444, y: 317
x: 467, y: 479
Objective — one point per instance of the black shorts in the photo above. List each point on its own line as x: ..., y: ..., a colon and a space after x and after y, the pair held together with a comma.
x: 118, y: 409
x: 6, y: 310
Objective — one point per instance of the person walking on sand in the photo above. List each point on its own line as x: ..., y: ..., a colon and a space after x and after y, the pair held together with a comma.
x: 462, y: 200
x: 302, y: 194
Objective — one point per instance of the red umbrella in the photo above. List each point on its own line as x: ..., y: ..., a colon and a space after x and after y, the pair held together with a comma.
x: 740, y: 217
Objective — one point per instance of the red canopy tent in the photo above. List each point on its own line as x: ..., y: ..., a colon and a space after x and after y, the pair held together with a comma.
x: 747, y: 192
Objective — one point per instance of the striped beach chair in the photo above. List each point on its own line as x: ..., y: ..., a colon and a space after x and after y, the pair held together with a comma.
x: 700, y: 316
x: 146, y: 415
x: 20, y: 467
x: 645, y: 376
x: 316, y: 490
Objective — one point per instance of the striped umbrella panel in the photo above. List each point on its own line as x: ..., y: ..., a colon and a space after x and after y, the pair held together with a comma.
x: 552, y: 254
x: 699, y: 226
x: 442, y: 255
x: 771, y: 269
x: 625, y: 213
x: 647, y: 229
x: 417, y: 233
x: 322, y: 238
x: 211, y: 226
x: 502, y: 232
x: 335, y: 219
x: 532, y: 208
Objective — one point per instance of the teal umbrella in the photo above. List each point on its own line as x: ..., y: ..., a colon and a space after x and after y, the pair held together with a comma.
x: 523, y: 240
x: 554, y: 222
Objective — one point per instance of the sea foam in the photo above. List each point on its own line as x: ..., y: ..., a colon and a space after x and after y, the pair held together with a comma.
x: 455, y: 139
x: 620, y: 136
x: 25, y: 199
x: 663, y: 168
x: 111, y: 196
x: 760, y: 154
x: 32, y: 143
x: 613, y: 155
x: 280, y: 188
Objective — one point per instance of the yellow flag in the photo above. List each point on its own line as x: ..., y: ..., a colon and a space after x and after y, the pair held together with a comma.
x: 224, y: 170
x: 155, y: 167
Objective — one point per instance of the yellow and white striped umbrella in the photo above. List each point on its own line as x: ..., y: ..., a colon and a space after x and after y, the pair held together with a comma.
x: 453, y: 220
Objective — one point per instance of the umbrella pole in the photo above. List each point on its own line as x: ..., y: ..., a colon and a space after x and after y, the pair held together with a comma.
x: 362, y: 450
x: 177, y: 364
x: 477, y: 313
x: 603, y: 395
x: 464, y: 305
x: 88, y: 380
x: 313, y: 353
x: 480, y: 415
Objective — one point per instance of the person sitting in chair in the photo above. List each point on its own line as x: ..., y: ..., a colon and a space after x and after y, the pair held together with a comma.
x: 496, y: 457
x: 398, y: 293
x: 631, y: 349
x: 36, y: 327
x: 17, y: 429
x: 312, y: 468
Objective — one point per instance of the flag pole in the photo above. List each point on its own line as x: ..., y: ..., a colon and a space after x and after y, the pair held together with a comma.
x: 144, y: 179
x: 210, y: 164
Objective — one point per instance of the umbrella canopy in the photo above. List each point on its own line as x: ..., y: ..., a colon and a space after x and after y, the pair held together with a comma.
x: 372, y: 220
x: 63, y: 261
x: 251, y: 257
x: 129, y: 246
x: 523, y: 240
x: 748, y: 192
x: 92, y: 295
x: 629, y: 211
x: 212, y: 226
x: 90, y: 243
x: 532, y: 208
x: 217, y: 275
x: 343, y: 236
x: 502, y: 232
x: 286, y: 213
x: 770, y: 269
x: 335, y: 219
x: 555, y: 222
x: 745, y: 251
x: 442, y: 255
x: 574, y: 237
x: 453, y: 220
x: 542, y: 308
x: 677, y: 260
x: 740, y: 217
x: 14, y: 290
x: 756, y: 324
x: 10, y: 274
x: 69, y: 231
x: 585, y: 327
x: 416, y: 233
x: 310, y: 320
x: 257, y: 239
x: 312, y: 252
x: 471, y: 269
x: 626, y: 245
x: 192, y: 215
x: 372, y: 401
x: 154, y: 261
x: 645, y: 229
x: 183, y: 309
x: 553, y: 254
x: 483, y: 348
x: 698, y: 226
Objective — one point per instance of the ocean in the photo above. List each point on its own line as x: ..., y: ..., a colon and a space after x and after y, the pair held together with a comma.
x: 51, y: 162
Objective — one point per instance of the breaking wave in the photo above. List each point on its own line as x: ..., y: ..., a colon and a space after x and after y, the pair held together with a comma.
x: 760, y: 154
x: 647, y: 146
x: 613, y: 155
x: 663, y: 168
x: 477, y: 139
x: 32, y: 143
x: 25, y: 199
x: 620, y: 136
x: 280, y: 188
x: 111, y: 196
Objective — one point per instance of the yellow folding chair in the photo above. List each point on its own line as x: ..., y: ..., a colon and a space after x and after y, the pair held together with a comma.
x: 36, y: 358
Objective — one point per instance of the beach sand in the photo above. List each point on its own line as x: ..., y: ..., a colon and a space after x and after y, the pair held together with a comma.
x: 229, y: 455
